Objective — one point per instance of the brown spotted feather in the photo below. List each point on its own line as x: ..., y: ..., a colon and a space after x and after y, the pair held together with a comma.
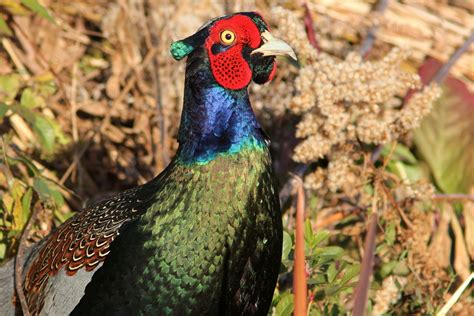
x: 82, y: 242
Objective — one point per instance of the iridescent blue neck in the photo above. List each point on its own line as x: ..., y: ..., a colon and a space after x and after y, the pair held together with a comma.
x: 216, y: 121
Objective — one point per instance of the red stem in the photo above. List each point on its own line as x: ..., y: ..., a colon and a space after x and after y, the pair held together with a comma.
x: 300, y: 287
x: 309, y: 26
x: 362, y: 289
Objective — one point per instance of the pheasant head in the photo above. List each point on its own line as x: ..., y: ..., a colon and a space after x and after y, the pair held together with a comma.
x: 239, y: 48
x: 223, y: 57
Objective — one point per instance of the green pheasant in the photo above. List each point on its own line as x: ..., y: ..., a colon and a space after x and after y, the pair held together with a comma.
x: 202, y: 238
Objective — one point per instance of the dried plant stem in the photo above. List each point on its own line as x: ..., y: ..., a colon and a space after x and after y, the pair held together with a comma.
x: 73, y: 96
x: 45, y: 61
x: 444, y: 70
x: 395, y: 205
x: 300, y: 287
x: 369, y: 41
x: 455, y: 296
x: 362, y: 289
x: 7, y: 44
x: 77, y: 158
x: 161, y: 150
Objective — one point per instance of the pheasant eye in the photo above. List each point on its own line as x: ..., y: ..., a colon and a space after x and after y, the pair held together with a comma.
x: 227, y: 37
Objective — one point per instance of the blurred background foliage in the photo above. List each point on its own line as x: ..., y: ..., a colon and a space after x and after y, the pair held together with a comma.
x: 90, y: 102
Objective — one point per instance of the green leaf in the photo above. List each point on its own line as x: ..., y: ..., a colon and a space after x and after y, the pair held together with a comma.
x: 34, y: 6
x: 329, y: 252
x: 414, y: 172
x: 308, y: 231
x: 401, y: 269
x: 350, y: 273
x: 445, y: 138
x: 287, y: 245
x: 387, y: 268
x: 45, y: 85
x: 400, y: 153
x: 390, y: 234
x: 31, y: 100
x: 61, y: 216
x: 9, y: 86
x: 45, y: 131
x: 3, y: 250
x: 331, y: 290
x: 317, y: 279
x: 285, y: 305
x: 48, y: 191
x: 4, y: 28
x: 319, y: 237
x: 41, y: 187
x: 331, y: 272
x: 3, y: 110
x: 26, y: 161
x: 26, y: 202
x: 61, y: 138
x: 17, y: 190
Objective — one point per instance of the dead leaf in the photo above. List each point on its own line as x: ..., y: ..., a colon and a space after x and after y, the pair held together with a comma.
x: 469, y: 225
x: 114, y: 134
x: 97, y: 109
x: 461, y: 258
x: 440, y: 247
x: 446, y: 136
x: 113, y: 87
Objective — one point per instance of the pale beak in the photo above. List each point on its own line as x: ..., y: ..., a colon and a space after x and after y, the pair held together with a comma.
x: 273, y: 46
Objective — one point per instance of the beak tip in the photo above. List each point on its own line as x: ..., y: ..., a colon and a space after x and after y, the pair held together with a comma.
x: 293, y: 55
x: 273, y: 47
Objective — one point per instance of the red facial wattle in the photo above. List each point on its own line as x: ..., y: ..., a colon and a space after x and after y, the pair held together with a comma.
x: 272, y: 74
x: 229, y: 67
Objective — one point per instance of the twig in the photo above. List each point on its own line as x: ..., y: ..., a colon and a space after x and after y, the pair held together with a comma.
x: 368, y: 42
x: 47, y: 174
x: 444, y: 70
x: 19, y: 261
x: 73, y: 91
x: 362, y: 289
x: 45, y: 61
x: 453, y: 196
x: 300, y: 287
x: 156, y: 80
x: 309, y: 26
x: 75, y: 133
x: 397, y: 207
x: 389, y: 156
x: 77, y: 157
x: 7, y: 44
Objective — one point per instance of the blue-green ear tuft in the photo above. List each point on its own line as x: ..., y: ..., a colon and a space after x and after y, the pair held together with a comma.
x: 184, y: 47
x: 180, y: 49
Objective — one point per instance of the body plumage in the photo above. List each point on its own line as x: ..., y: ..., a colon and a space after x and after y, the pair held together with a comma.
x: 202, y: 238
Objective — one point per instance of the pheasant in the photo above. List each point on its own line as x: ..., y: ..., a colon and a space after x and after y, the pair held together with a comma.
x: 202, y: 238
